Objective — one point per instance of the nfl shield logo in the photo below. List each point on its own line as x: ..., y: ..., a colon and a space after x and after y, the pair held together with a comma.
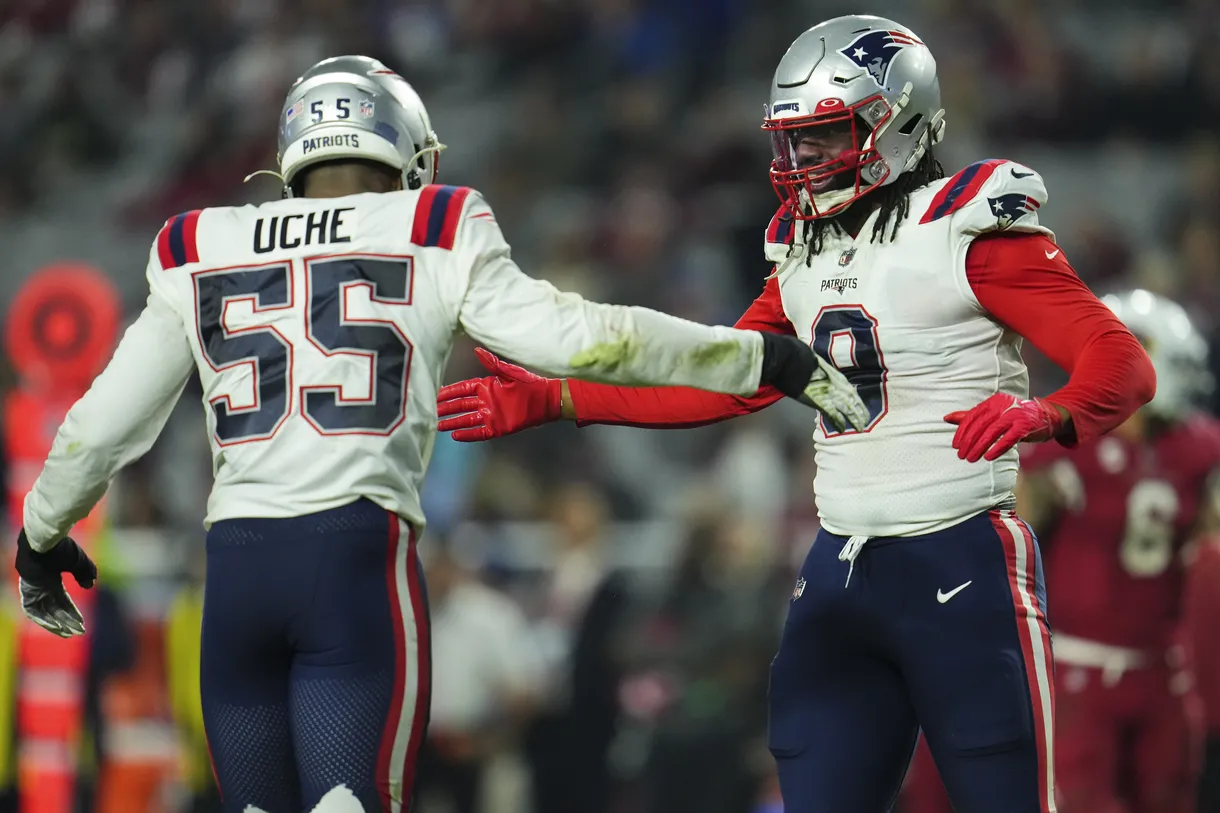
x: 846, y: 257
x: 366, y: 109
x: 799, y: 590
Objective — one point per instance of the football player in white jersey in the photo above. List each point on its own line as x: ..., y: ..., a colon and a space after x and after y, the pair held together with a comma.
x: 920, y: 604
x: 320, y: 325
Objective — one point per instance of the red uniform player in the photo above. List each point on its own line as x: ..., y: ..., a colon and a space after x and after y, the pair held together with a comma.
x: 1116, y: 516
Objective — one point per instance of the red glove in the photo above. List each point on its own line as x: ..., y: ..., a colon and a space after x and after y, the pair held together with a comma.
x: 510, y: 400
x: 1003, y: 420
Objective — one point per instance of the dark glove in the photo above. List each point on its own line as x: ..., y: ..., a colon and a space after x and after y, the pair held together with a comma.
x: 794, y: 369
x: 43, y: 597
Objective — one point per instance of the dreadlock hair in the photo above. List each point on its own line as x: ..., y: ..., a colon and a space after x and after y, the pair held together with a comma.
x: 893, y: 200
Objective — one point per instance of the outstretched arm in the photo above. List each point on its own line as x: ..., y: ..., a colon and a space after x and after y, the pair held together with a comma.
x: 114, y: 424
x: 513, y: 399
x: 679, y: 407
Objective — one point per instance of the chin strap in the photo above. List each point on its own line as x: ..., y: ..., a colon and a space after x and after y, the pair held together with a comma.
x: 270, y: 172
x: 286, y: 193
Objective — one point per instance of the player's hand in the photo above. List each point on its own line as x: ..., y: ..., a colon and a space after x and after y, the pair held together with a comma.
x: 794, y: 369
x: 509, y: 400
x: 1000, y: 423
x: 43, y: 597
x: 830, y: 393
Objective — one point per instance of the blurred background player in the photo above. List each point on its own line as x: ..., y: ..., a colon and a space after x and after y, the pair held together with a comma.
x: 1119, y: 518
x: 919, y: 289
x: 486, y: 680
x: 1119, y: 515
x: 315, y: 669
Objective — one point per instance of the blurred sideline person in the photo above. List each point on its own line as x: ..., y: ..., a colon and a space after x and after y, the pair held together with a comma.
x: 486, y: 680
x: 585, y: 602
x: 921, y: 603
x: 320, y: 325
x: 183, y: 636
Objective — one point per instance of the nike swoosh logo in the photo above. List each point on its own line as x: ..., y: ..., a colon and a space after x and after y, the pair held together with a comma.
x: 1050, y: 255
x: 942, y: 596
x: 1016, y: 174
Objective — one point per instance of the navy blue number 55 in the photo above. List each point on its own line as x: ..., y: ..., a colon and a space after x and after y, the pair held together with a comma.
x: 269, y: 355
x: 867, y: 371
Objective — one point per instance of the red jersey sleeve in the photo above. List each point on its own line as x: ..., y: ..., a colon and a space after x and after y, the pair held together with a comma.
x: 682, y: 407
x: 1025, y: 282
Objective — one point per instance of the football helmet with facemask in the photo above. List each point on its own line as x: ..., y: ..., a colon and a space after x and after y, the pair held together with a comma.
x: 1177, y: 349
x: 350, y: 107
x: 866, y: 74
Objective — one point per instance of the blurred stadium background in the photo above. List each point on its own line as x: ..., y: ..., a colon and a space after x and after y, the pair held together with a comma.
x: 605, y: 600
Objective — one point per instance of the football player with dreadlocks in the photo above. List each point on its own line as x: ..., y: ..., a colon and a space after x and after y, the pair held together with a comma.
x: 319, y: 325
x: 920, y: 604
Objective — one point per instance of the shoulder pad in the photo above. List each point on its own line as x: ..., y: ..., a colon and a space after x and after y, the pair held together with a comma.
x: 991, y: 195
x: 780, y: 232
x: 438, y: 211
x: 176, y: 242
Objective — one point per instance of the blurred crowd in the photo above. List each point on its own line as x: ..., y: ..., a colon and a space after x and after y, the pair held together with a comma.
x: 605, y: 600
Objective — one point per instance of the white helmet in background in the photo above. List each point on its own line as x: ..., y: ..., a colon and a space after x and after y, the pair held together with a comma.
x: 1177, y: 349
x: 354, y: 107
x: 869, y: 73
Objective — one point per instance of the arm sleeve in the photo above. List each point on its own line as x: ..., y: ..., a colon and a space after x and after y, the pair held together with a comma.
x: 115, y: 423
x: 683, y: 407
x: 561, y: 334
x: 1024, y: 281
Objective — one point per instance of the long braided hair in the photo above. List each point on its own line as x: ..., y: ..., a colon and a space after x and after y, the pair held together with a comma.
x: 893, y: 200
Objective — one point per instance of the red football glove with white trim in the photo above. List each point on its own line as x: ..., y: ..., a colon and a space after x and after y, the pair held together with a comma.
x: 1000, y: 423
x: 508, y: 401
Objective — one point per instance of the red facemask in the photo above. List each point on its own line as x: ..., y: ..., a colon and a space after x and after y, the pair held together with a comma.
x: 838, y: 181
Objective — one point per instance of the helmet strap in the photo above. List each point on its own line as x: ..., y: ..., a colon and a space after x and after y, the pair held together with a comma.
x: 410, y: 176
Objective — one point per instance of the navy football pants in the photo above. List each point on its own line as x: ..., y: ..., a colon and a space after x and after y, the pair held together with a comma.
x: 862, y: 667
x: 315, y: 659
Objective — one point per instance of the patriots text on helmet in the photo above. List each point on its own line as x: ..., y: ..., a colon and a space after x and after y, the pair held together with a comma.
x: 321, y: 142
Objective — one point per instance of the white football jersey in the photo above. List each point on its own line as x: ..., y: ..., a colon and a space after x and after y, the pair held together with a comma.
x: 902, y: 323
x: 321, y: 328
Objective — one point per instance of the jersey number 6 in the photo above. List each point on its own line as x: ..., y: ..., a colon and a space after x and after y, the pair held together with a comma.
x: 865, y: 364
x: 269, y: 355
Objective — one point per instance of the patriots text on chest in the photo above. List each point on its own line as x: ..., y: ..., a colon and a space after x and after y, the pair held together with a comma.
x: 295, y: 230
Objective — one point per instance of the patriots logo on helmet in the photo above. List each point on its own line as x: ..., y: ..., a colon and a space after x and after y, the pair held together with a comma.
x: 1010, y: 208
x: 875, y: 50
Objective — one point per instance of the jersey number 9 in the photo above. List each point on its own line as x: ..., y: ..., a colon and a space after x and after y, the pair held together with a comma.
x: 862, y: 363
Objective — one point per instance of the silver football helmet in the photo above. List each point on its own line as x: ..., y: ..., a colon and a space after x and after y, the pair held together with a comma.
x: 356, y: 107
x: 1177, y: 349
x: 865, y: 73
